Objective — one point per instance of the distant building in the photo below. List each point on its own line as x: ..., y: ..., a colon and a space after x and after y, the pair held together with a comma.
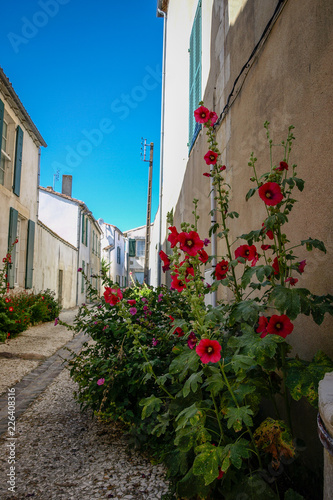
x: 136, y: 254
x: 73, y: 222
x: 20, y: 144
x: 114, y: 253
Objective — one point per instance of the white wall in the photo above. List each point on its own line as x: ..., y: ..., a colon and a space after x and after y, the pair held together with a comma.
x: 114, y: 238
x: 60, y: 215
x: 52, y: 255
x: 136, y: 264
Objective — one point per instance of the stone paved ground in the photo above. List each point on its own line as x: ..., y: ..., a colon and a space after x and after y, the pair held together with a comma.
x: 60, y: 452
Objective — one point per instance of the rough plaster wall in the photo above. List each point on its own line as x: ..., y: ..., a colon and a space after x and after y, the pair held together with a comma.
x: 290, y: 83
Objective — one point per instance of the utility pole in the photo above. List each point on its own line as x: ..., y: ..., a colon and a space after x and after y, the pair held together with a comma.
x: 150, y: 179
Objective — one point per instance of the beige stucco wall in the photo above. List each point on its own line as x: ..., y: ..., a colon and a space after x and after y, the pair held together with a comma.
x: 52, y: 255
x: 26, y: 203
x: 289, y: 83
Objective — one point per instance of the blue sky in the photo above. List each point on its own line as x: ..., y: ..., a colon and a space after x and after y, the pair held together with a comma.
x: 89, y: 75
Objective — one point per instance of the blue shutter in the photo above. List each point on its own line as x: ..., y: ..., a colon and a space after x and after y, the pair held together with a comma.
x: 195, y: 75
x: 86, y: 238
x: 12, y: 233
x: 18, y: 161
x: 30, y: 254
x: 2, y: 112
x: 132, y: 248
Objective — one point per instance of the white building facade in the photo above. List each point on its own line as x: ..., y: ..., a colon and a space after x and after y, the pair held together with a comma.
x: 114, y: 253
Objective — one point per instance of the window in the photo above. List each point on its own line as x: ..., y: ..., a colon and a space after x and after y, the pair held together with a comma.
x: 83, y: 231
x: 118, y: 279
x: 139, y: 277
x: 86, y: 237
x: 125, y: 281
x: 17, y: 251
x: 195, y: 76
x: 132, y: 248
x: 4, y: 149
x: 118, y: 255
x: 93, y: 243
x: 140, y: 249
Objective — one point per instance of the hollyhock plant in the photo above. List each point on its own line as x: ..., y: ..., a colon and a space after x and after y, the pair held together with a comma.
x: 292, y: 281
x: 166, y: 261
x: 269, y: 233
x: 173, y: 236
x: 177, y: 284
x: 247, y: 252
x: 221, y: 269
x: 270, y: 193
x: 211, y: 158
x: 301, y: 266
x: 283, y: 166
x: 190, y: 242
x: 280, y: 325
x: 209, y: 351
x: 202, y: 114
x: 203, y: 256
x: 112, y: 296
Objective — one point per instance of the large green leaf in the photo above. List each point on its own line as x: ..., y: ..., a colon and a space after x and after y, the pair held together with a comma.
x: 236, y: 417
x: 192, y: 382
x: 207, y: 462
x: 251, y: 488
x: 313, y: 243
x: 214, y: 383
x: 286, y: 300
x: 235, y: 453
x: 187, y: 361
x: 150, y: 405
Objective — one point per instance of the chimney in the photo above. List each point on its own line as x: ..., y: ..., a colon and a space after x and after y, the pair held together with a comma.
x: 67, y: 185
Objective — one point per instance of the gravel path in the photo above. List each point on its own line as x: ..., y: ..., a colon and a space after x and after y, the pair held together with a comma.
x: 62, y: 453
x: 55, y: 451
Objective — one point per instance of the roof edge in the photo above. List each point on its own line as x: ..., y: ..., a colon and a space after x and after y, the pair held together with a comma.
x: 162, y: 5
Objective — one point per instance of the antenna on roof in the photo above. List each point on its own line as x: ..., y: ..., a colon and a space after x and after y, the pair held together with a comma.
x: 143, y: 149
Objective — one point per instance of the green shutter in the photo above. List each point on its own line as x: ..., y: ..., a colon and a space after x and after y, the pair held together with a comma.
x: 18, y: 161
x: 12, y: 233
x: 195, y: 72
x: 2, y: 112
x: 30, y: 254
x: 82, y: 275
x: 132, y: 248
x: 82, y: 230
x: 86, y: 239
x: 93, y: 242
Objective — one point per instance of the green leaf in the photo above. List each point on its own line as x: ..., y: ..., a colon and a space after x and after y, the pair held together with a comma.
x: 246, y: 311
x: 192, y: 382
x: 250, y: 193
x: 286, y: 300
x: 214, y: 383
x: 187, y: 361
x: 299, y: 183
x: 236, y: 417
x: 236, y: 452
x: 292, y: 495
x: 185, y: 439
x: 207, y: 463
x: 150, y: 405
x: 187, y: 416
x: 251, y: 488
x: 311, y: 243
x: 247, y: 276
x: 233, y: 215
x: 161, y: 428
x: 192, y: 486
x: 241, y: 362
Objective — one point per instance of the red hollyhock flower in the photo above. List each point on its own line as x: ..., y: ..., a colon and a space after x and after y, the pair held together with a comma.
x: 269, y: 232
x: 221, y: 473
x: 166, y: 261
x: 270, y: 193
x: 276, y: 266
x: 190, y: 243
x: 280, y: 325
x: 178, y: 330
x: 223, y: 168
x: 177, y: 284
x: 201, y: 114
x: 7, y: 300
x: 246, y: 251
x: 192, y: 340
x: 207, y: 174
x: 112, y: 296
x: 213, y: 117
x: 221, y: 269
x: 11, y: 309
x: 283, y: 166
x: 173, y: 237
x: 208, y: 351
x: 292, y: 281
x: 5, y: 260
x: 131, y: 302
x: 266, y: 247
x: 262, y: 328
x: 301, y: 266
x: 211, y: 157
x: 203, y: 255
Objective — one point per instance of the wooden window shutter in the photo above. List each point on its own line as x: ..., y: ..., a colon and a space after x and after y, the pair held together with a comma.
x: 86, y: 238
x: 30, y: 254
x: 83, y: 229
x: 2, y: 112
x: 18, y: 161
x: 132, y: 248
x: 195, y: 74
x: 12, y: 233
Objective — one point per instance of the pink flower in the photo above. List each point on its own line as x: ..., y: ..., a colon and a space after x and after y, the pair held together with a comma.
x: 270, y: 193
x: 201, y: 114
x: 79, y: 270
x: 144, y: 300
x: 206, y: 242
x: 154, y: 342
x: 211, y: 157
x: 301, y: 266
x: 292, y: 281
x: 192, y: 340
x: 101, y: 381
x: 160, y: 297
x: 145, y: 308
x: 133, y: 310
x: 213, y: 117
x: 56, y: 321
x: 209, y: 351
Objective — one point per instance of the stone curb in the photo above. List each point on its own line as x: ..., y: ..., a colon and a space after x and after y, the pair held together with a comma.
x: 35, y: 382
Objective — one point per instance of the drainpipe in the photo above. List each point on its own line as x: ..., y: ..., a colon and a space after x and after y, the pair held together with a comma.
x: 162, y: 145
x: 38, y: 181
x: 78, y: 255
x: 213, y: 237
